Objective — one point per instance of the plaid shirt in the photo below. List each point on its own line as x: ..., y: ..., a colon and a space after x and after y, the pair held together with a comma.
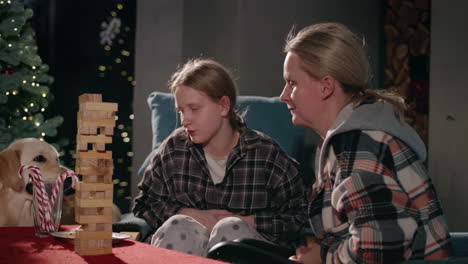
x: 260, y: 180
x: 374, y: 203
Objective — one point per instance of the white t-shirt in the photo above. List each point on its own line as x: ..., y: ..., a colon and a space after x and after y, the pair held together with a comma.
x: 217, y: 167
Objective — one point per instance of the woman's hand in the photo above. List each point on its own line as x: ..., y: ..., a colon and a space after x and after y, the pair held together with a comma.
x: 309, y: 254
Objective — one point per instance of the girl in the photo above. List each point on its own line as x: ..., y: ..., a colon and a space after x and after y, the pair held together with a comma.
x: 214, y: 179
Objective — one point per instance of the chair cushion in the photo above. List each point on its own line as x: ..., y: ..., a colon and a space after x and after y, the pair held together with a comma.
x: 268, y: 115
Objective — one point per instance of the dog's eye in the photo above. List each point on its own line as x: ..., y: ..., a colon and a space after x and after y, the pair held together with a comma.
x: 40, y: 158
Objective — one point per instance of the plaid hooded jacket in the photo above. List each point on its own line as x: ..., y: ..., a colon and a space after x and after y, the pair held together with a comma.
x: 373, y: 201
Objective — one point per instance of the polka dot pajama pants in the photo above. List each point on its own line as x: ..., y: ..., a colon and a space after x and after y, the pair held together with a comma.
x: 185, y: 234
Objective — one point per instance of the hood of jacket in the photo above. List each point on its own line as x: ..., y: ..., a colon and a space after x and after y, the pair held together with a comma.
x: 378, y: 116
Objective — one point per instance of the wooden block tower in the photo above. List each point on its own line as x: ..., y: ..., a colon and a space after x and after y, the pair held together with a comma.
x: 94, y: 194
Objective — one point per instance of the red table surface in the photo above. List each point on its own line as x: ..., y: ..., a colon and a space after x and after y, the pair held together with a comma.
x: 20, y: 245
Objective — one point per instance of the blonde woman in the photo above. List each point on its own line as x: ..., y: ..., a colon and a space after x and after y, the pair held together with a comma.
x: 373, y: 201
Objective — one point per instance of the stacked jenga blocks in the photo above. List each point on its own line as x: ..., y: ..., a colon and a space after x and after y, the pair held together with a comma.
x: 94, y: 194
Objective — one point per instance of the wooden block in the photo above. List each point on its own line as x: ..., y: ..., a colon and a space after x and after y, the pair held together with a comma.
x: 99, y: 147
x: 86, y: 114
x: 103, y: 122
x: 96, y: 163
x: 86, y: 162
x: 94, y: 235
x: 97, y: 227
x: 99, y: 195
x: 86, y: 130
x: 90, y: 178
x: 107, y: 179
x: 95, y: 186
x: 93, y: 155
x: 92, y: 251
x: 109, y: 194
x: 98, y: 106
x: 94, y: 139
x: 88, y: 97
x: 108, y: 131
x: 83, y: 203
x: 95, y: 171
x: 94, y: 218
x: 135, y: 236
x: 107, y: 211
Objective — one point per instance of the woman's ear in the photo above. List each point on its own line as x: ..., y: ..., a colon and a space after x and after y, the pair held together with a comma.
x: 225, y: 104
x: 328, y: 86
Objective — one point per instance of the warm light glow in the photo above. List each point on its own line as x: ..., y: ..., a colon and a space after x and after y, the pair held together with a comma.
x: 44, y: 95
x: 14, y: 92
x: 42, y: 109
x: 130, y: 78
x: 33, y: 67
x: 126, y: 140
x: 37, y: 124
x: 113, y: 13
x: 119, y: 6
x: 124, y: 134
x: 25, y: 118
x: 33, y: 84
x: 130, y: 154
x: 125, y: 53
x: 9, y: 45
x: 132, y: 116
x: 134, y: 83
x: 15, y: 29
x: 118, y: 60
x: 43, y: 134
x: 102, y: 67
x: 34, y: 77
x: 116, y: 117
x: 12, y: 21
x: 107, y: 47
x: 123, y: 184
x: 26, y: 110
x: 120, y: 126
x: 7, y: 93
x: 24, y: 81
x: 32, y: 104
x: 116, y: 181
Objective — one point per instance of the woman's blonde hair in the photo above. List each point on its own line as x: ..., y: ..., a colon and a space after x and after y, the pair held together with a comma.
x: 213, y: 79
x: 332, y: 49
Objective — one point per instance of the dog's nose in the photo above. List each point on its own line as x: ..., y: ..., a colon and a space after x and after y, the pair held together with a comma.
x: 29, y: 188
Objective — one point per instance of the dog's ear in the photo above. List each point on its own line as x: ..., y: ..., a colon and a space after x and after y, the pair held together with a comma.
x: 9, y: 167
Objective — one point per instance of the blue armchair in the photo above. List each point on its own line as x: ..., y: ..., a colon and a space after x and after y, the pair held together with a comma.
x: 270, y: 116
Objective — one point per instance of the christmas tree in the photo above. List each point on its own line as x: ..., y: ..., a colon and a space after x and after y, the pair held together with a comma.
x: 24, y: 81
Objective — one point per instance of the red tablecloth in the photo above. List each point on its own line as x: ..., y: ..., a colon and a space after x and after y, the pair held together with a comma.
x: 20, y: 245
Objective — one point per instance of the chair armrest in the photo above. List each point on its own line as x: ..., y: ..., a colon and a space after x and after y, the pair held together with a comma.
x: 130, y: 223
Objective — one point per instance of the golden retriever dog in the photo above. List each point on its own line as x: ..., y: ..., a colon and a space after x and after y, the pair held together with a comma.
x: 15, y: 192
